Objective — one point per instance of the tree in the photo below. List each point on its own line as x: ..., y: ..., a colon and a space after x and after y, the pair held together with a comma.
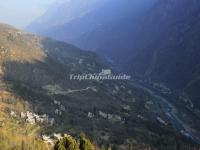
x: 85, y: 143
x: 102, y: 147
x: 109, y: 148
x: 66, y: 143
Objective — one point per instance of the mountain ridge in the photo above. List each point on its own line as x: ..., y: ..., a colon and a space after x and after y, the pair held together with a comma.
x: 160, y: 43
x: 122, y: 115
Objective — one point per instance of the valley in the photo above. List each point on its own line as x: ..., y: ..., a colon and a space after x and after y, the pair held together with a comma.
x: 172, y: 112
x: 109, y: 112
x: 157, y: 40
x: 47, y: 101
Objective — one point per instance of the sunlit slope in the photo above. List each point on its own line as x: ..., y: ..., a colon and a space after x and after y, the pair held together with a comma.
x: 109, y: 112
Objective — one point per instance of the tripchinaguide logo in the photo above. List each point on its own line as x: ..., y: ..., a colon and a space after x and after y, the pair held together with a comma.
x: 105, y: 74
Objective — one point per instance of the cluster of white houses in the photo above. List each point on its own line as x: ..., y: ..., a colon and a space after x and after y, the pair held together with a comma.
x: 33, y: 118
x: 110, y: 117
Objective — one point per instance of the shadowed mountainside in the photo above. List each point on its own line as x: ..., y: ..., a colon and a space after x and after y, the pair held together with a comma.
x: 37, y: 70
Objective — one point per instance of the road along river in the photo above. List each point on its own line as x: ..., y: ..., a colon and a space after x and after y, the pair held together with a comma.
x: 170, y: 111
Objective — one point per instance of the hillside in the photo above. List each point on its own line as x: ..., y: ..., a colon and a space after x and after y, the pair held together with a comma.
x: 174, y: 61
x: 96, y: 26
x: 158, y: 40
x: 157, y: 43
x: 36, y: 71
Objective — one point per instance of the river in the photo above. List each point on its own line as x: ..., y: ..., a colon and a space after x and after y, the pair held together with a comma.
x: 170, y: 111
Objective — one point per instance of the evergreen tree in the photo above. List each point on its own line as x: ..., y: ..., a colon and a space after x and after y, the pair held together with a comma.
x: 102, y: 147
x: 109, y: 148
x: 66, y: 143
x: 85, y: 143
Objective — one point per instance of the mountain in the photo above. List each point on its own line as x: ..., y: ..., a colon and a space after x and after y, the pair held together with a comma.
x: 38, y: 99
x: 67, y: 11
x: 97, y: 26
x: 168, y: 50
x: 157, y: 41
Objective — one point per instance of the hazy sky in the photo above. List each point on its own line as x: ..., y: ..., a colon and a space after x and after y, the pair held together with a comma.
x: 20, y: 13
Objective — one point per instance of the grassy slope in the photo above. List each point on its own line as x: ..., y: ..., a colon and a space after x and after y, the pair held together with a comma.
x: 14, y: 133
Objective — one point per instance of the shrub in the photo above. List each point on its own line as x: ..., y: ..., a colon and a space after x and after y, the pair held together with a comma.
x: 66, y: 143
